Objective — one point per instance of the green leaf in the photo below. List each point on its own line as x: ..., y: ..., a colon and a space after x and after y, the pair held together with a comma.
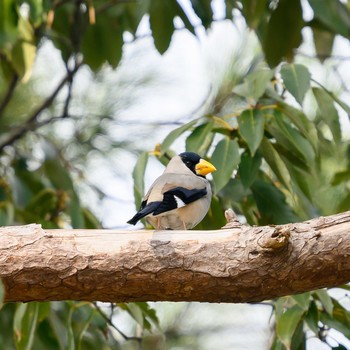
x: 60, y: 179
x: 287, y: 324
x: 142, y: 313
x: 203, y: 10
x: 42, y: 203
x: 132, y: 15
x: 334, y: 14
x: 200, y: 139
x: 325, y: 300
x: 90, y: 220
x: 248, y: 168
x: 234, y: 194
x: 277, y: 344
x: 251, y: 128
x: 296, y: 78
x: 253, y: 11
x: 57, y: 174
x: 138, y: 176
x: 8, y: 24
x: 283, y: 33
x: 27, y: 182
x: 254, y: 84
x: 75, y: 211
x: 344, y: 205
x: 312, y: 317
x: 24, y: 50
x: 275, y: 162
x: 342, y: 104
x: 299, y: 338
x: 84, y: 329
x: 279, y: 306
x: 335, y: 324
x: 70, y: 340
x: 134, y: 311
x: 106, y: 35
x: 303, y: 180
x: 24, y: 325
x: 36, y: 12
x: 300, y: 120
x: 173, y: 135
x: 290, y: 138
x: 149, y: 315
x: 323, y: 40
x: 6, y: 70
x: 340, y: 177
x: 44, y: 311
x: 340, y: 313
x: 328, y: 112
x: 272, y: 204
x: 162, y: 23
x: 303, y: 300
x: 7, y: 213
x: 226, y: 159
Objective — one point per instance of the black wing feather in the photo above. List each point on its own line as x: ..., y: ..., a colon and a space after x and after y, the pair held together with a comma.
x: 187, y: 196
x: 145, y: 210
x: 168, y: 203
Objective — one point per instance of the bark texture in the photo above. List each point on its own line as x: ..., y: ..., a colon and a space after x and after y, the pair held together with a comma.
x: 237, y: 264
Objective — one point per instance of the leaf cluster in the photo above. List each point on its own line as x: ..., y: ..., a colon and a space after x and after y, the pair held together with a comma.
x: 80, y: 26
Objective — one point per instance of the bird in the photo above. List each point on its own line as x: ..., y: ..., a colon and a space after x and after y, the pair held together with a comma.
x: 179, y: 198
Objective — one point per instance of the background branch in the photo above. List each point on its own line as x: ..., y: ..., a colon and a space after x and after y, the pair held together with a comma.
x: 30, y: 123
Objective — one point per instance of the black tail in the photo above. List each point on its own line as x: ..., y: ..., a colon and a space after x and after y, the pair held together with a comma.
x: 148, y: 209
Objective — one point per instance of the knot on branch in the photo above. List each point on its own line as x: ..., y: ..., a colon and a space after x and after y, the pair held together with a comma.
x: 275, y: 238
x: 232, y: 220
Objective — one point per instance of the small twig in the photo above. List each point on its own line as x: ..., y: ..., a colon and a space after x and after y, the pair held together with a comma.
x: 109, y: 321
x: 9, y: 93
x: 65, y: 112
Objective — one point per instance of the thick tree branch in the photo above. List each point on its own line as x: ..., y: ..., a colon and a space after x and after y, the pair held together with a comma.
x: 239, y: 264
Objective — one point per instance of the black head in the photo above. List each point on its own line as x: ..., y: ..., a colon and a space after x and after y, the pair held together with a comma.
x: 190, y: 159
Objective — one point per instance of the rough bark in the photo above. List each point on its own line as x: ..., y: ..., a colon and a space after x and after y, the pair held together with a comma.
x: 238, y: 264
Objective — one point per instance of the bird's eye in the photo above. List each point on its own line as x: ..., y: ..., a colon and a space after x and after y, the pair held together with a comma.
x: 188, y: 163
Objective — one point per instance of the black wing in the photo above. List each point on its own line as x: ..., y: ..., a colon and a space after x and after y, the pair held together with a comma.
x: 175, y: 198
x: 144, y: 211
x: 178, y: 197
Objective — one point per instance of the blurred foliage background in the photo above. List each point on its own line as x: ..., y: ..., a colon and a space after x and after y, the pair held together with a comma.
x: 88, y: 88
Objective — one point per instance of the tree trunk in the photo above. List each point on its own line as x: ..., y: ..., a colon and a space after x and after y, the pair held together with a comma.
x: 239, y: 264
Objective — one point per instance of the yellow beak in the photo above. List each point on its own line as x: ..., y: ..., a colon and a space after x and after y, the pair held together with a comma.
x: 203, y: 167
